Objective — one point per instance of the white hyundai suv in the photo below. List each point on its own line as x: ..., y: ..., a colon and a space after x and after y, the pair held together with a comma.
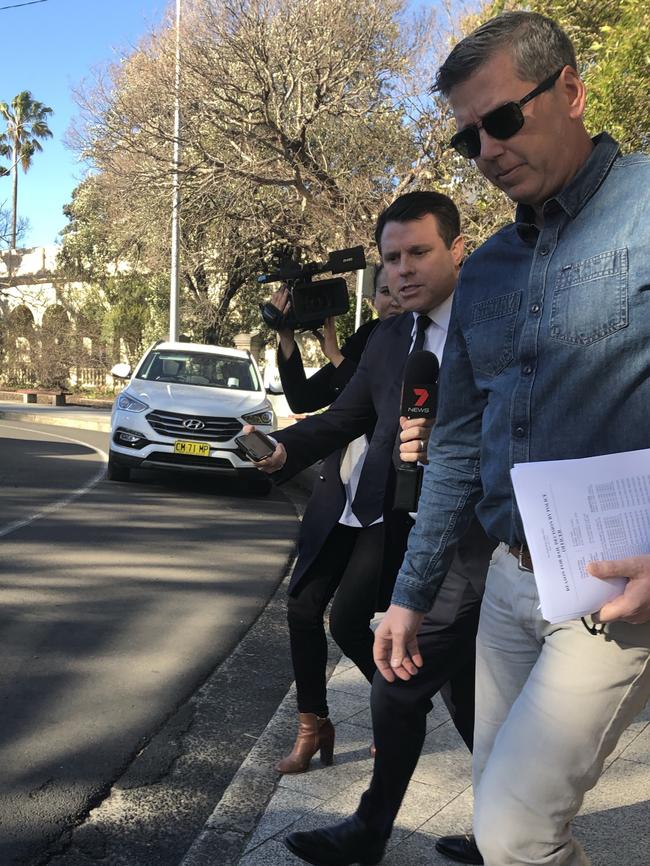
x: 182, y: 409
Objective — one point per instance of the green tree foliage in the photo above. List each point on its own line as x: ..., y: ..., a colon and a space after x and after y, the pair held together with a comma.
x: 26, y: 122
x: 121, y: 298
x: 5, y: 151
x: 612, y: 38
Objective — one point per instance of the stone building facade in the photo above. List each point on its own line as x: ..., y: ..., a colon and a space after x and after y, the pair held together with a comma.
x: 39, y: 335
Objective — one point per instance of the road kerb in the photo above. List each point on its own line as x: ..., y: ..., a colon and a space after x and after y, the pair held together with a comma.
x: 57, y: 420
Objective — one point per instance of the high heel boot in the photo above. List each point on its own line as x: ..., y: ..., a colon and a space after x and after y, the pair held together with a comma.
x: 314, y: 734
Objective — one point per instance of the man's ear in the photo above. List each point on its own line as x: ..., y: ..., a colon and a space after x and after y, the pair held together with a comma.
x: 457, y: 250
x: 574, y: 91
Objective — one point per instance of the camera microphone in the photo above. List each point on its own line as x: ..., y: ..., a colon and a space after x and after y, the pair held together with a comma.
x: 419, y: 399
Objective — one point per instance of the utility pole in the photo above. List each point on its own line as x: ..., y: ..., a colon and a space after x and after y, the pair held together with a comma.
x: 176, y: 196
x: 357, y: 314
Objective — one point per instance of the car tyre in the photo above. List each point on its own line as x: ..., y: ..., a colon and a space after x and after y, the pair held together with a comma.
x: 115, y: 472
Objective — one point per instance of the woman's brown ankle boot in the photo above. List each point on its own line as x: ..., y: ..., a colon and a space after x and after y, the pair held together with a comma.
x: 314, y: 734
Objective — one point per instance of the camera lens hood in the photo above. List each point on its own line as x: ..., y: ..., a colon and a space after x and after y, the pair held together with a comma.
x: 272, y: 316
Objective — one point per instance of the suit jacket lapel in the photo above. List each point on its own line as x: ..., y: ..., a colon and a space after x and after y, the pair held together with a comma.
x: 397, y: 361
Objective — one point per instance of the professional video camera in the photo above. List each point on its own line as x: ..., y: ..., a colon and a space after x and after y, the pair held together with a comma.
x: 312, y: 301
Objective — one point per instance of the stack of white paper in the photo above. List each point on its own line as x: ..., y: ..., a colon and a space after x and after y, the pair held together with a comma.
x: 578, y: 511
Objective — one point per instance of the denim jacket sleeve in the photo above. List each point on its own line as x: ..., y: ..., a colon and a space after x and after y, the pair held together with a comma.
x: 451, y: 485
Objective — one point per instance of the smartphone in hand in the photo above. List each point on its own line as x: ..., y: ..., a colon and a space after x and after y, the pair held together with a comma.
x: 256, y: 445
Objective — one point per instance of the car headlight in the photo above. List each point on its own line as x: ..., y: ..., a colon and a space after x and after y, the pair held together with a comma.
x: 263, y: 417
x: 129, y: 437
x: 130, y: 404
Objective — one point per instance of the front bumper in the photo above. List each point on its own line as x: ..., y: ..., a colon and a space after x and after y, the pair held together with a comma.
x: 163, y: 460
x: 135, y: 444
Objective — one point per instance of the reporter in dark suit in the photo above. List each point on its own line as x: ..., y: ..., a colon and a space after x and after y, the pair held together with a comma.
x: 425, y: 250
x: 340, y: 560
x: 421, y: 248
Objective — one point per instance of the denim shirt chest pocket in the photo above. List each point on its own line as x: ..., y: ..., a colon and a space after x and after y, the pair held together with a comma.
x: 590, y: 299
x: 491, y: 334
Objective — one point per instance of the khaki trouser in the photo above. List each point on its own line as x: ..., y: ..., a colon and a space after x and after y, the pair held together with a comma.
x: 551, y: 704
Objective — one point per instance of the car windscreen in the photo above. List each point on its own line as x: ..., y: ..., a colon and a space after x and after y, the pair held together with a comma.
x: 199, y: 368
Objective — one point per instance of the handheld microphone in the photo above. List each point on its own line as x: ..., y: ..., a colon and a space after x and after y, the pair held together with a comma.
x: 419, y: 399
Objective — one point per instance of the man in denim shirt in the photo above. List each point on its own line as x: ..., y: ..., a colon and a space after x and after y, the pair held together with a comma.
x: 548, y: 357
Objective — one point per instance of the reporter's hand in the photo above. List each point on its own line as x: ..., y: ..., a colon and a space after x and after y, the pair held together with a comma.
x: 634, y: 604
x: 273, y: 462
x: 282, y: 301
x: 395, y: 650
x: 414, y: 439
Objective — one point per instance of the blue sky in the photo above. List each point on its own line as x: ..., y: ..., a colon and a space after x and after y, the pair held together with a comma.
x: 49, y: 48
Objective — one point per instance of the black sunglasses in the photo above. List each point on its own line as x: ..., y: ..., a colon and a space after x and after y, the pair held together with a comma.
x: 502, y: 123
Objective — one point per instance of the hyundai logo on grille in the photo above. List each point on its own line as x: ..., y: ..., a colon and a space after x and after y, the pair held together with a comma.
x: 193, y: 424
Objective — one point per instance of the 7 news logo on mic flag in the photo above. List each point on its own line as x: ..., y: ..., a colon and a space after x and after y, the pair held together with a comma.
x: 418, y: 401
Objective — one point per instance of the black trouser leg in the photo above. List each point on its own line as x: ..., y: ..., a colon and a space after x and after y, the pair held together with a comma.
x: 354, y: 602
x: 305, y: 612
x: 399, y: 709
x: 458, y: 695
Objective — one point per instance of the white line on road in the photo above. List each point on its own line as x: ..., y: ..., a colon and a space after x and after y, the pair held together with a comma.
x: 61, y: 503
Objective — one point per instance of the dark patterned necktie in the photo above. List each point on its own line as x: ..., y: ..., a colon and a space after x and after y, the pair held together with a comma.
x: 368, y: 504
x: 421, y: 324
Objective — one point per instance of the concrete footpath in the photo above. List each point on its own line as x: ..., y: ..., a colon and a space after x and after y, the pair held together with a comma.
x: 613, y: 826
x: 247, y: 826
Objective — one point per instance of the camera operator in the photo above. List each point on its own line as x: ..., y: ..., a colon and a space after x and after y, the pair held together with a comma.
x: 337, y: 557
x: 310, y: 394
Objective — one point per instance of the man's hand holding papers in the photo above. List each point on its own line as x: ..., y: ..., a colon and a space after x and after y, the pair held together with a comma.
x: 634, y: 605
x: 576, y: 513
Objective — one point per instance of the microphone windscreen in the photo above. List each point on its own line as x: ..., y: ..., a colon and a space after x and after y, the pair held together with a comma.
x: 421, y: 366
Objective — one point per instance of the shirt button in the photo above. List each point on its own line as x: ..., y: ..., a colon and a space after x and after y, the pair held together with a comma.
x: 535, y: 308
x: 527, y: 369
x: 519, y: 432
x: 543, y: 251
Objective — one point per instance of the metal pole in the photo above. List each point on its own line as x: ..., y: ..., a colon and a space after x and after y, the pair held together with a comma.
x: 357, y: 316
x: 176, y: 197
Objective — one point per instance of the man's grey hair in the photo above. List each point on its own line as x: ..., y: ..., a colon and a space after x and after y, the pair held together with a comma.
x: 538, y: 45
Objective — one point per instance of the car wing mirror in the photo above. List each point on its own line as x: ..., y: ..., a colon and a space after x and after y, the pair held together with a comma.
x: 121, y: 371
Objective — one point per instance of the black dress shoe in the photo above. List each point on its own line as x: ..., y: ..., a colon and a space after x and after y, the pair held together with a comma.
x: 338, y: 845
x: 462, y: 849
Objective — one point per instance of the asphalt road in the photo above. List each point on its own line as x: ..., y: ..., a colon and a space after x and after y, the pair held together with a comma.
x: 116, y: 603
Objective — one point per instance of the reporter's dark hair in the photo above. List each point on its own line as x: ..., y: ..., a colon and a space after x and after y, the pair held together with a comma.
x: 414, y: 206
x: 538, y: 46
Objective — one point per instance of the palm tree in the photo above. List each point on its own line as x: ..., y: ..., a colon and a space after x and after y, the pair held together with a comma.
x: 26, y: 121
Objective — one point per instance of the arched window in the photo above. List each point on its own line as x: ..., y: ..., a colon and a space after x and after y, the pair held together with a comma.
x: 56, y: 324
x: 20, y: 322
x: 19, y: 343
